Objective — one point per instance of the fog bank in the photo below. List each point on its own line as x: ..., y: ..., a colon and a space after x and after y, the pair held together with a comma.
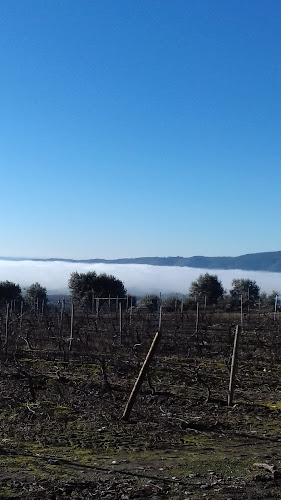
x: 139, y: 279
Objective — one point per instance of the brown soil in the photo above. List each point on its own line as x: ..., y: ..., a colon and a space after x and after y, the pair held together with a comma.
x: 62, y: 435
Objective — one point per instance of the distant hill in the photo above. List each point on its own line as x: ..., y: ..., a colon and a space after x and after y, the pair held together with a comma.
x: 264, y: 261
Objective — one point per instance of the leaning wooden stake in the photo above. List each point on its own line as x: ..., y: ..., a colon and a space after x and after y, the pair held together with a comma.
x: 141, y: 376
x: 233, y: 366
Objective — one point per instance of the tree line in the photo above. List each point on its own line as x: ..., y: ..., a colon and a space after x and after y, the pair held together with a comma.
x: 83, y: 288
x: 10, y: 291
x: 207, y: 289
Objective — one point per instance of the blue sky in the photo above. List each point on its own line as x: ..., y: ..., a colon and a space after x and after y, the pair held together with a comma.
x: 145, y: 127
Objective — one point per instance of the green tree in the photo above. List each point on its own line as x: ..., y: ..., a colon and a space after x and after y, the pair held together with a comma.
x: 149, y: 302
x: 82, y: 286
x: 85, y: 286
x: 107, y: 284
x: 36, y: 292
x: 268, y: 300
x: 247, y: 288
x: 9, y: 291
x: 171, y: 303
x: 206, y: 287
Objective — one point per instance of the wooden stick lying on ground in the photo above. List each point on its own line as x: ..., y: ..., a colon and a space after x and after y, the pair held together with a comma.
x: 270, y: 468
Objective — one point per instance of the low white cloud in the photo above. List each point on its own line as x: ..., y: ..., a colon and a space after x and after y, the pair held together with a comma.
x: 139, y: 279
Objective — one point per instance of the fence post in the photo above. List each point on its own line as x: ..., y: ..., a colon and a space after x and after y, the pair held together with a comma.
x: 234, y: 362
x: 197, y: 317
x: 62, y: 309
x: 6, y: 328
x: 241, y: 310
x: 120, y: 322
x: 131, y: 310
x: 141, y: 376
x: 275, y: 306
x: 21, y: 313
x: 97, y: 307
x: 160, y: 300
x: 182, y: 306
x: 160, y: 318
x: 71, y: 326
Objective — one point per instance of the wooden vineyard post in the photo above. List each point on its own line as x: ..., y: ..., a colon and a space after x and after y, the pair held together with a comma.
x: 182, y: 306
x: 234, y: 362
x: 21, y: 314
x: 61, y: 311
x: 141, y: 376
x: 120, y: 323
x: 160, y: 300
x: 241, y: 310
x: 275, y: 307
x: 160, y: 318
x: 197, y: 317
x: 6, y: 328
x: 97, y: 307
x: 131, y: 310
x: 61, y: 315
x: 71, y: 326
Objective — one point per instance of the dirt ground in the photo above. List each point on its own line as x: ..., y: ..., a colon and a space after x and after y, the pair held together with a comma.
x: 62, y: 432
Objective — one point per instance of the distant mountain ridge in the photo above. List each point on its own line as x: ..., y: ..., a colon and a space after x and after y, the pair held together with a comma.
x: 263, y: 261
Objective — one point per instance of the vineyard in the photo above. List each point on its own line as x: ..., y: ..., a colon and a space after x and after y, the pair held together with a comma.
x: 66, y: 377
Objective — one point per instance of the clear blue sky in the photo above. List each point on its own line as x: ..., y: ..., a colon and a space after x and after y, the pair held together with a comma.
x: 140, y: 127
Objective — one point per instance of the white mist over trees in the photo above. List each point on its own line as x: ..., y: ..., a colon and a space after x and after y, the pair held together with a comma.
x: 139, y: 279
